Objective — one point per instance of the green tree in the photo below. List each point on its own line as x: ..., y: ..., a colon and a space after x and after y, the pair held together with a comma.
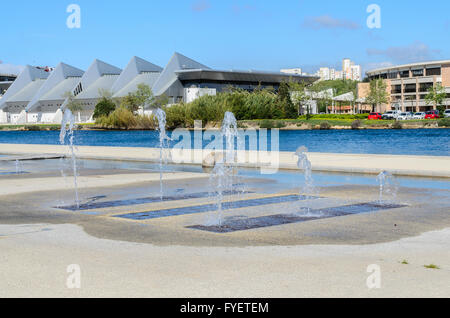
x: 288, y: 109
x: 130, y: 102
x: 377, y: 94
x: 143, y: 98
x: 104, y: 108
x: 436, y: 96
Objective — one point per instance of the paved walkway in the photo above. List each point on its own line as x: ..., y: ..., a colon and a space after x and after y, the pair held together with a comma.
x: 424, y: 166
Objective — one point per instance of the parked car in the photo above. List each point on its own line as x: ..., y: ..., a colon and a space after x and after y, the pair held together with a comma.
x: 391, y: 115
x: 420, y: 115
x: 433, y: 114
x: 375, y: 116
x: 405, y: 116
x: 447, y: 113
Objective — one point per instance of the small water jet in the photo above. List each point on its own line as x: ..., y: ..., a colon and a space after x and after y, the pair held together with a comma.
x: 67, y: 130
x: 18, y: 166
x: 163, y: 145
x: 307, y: 190
x: 222, y: 176
x: 388, y: 186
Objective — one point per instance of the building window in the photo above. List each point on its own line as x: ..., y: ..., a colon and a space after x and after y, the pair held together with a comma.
x: 404, y: 74
x: 396, y: 89
x: 424, y: 87
x: 434, y: 71
x: 410, y: 88
x: 393, y: 75
x: 417, y: 73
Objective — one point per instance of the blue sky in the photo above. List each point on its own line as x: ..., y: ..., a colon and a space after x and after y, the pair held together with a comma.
x: 225, y: 34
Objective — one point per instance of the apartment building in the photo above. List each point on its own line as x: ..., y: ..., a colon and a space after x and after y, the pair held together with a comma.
x: 408, y: 85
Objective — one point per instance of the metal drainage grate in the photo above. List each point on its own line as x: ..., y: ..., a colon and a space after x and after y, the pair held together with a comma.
x: 235, y: 225
x: 118, y: 203
x: 213, y: 207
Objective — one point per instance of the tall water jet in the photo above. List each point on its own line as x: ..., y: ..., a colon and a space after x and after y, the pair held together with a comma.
x: 222, y: 176
x: 388, y: 186
x: 230, y: 133
x: 307, y: 190
x: 163, y: 145
x: 67, y: 130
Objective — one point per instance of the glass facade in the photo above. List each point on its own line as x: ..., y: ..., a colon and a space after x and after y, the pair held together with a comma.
x: 221, y: 86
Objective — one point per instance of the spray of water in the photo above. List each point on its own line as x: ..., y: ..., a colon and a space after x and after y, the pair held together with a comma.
x: 18, y: 167
x: 230, y: 133
x: 163, y: 145
x: 307, y: 189
x: 222, y: 176
x: 388, y: 186
x: 67, y: 130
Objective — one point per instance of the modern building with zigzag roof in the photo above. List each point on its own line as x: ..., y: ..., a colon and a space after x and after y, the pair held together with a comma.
x: 36, y: 97
x: 21, y: 92
x: 49, y: 99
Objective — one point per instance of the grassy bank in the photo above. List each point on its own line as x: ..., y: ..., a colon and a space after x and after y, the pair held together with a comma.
x: 326, y: 124
x: 288, y: 124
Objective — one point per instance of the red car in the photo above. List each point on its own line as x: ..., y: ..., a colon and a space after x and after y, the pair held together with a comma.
x: 375, y: 116
x: 434, y: 114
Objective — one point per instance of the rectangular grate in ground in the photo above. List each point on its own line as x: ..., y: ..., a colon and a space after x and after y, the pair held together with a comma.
x: 213, y: 207
x: 119, y: 203
x: 244, y: 224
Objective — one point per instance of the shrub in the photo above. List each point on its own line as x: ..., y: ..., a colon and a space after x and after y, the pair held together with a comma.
x: 145, y: 122
x: 280, y: 124
x: 32, y: 128
x: 397, y: 125
x: 266, y: 124
x: 356, y: 125
x: 104, y: 108
x: 325, y: 126
x: 444, y: 122
x: 120, y: 118
x: 176, y: 116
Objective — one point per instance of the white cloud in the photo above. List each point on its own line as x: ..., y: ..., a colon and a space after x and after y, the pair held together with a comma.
x: 415, y: 52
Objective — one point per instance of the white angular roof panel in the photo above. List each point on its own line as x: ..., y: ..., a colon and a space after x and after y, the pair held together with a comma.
x: 28, y: 92
x: 178, y: 62
x: 135, y: 67
x: 93, y: 91
x: 96, y: 70
x: 131, y: 87
x: 60, y: 74
x: 28, y: 75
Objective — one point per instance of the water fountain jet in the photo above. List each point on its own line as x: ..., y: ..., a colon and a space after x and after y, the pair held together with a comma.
x: 163, y: 144
x: 222, y: 176
x: 67, y: 130
x: 388, y: 186
x: 308, y: 190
